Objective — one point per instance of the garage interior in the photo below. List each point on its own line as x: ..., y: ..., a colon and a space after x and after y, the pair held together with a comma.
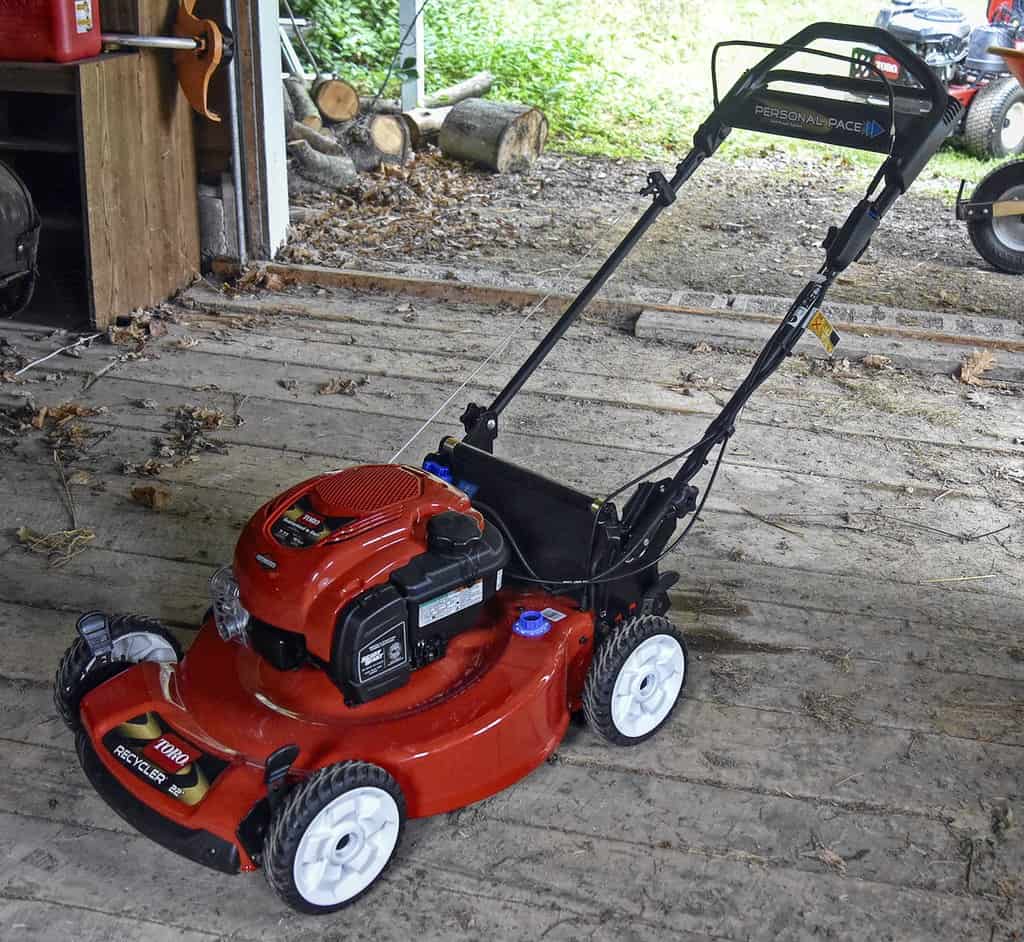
x: 846, y: 759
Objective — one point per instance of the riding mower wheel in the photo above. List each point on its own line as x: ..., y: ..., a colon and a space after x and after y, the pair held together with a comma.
x: 995, y: 120
x: 635, y: 679
x: 1000, y: 240
x: 134, y: 638
x: 334, y: 836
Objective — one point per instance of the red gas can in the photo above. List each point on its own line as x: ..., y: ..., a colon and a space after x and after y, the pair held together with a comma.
x: 54, y: 30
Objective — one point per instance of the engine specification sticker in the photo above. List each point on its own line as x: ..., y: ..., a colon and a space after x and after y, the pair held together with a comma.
x: 553, y: 614
x: 383, y: 654
x: 451, y: 602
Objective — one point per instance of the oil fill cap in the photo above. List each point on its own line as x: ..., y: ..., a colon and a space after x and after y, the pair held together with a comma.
x: 531, y: 625
x: 451, y: 533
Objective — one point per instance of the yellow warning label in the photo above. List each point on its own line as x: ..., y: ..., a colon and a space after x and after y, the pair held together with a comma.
x: 822, y: 328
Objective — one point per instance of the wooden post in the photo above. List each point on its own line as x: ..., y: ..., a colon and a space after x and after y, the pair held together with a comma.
x: 412, y: 48
x: 258, y: 53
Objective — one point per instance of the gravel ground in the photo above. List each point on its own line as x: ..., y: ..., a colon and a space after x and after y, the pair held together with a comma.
x: 751, y: 226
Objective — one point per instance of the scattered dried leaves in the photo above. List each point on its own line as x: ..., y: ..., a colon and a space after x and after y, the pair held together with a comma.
x: 188, y: 439
x: 57, y: 547
x: 58, y: 415
x: 974, y: 366
x: 257, y: 277
x: 148, y: 468
x: 341, y: 386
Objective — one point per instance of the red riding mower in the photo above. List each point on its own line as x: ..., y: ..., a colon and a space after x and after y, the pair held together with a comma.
x: 995, y: 212
x: 964, y: 61
x: 396, y: 641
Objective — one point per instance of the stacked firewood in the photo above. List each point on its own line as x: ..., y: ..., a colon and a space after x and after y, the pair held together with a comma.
x: 334, y: 135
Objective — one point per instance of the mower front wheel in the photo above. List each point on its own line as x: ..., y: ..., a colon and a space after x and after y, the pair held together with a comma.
x: 635, y: 679
x: 334, y: 836
x: 134, y: 638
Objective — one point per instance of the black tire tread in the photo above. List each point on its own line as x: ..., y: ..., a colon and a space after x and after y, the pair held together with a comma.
x: 72, y: 681
x: 979, y: 128
x: 302, y: 804
x: 611, y: 654
x: 981, y: 232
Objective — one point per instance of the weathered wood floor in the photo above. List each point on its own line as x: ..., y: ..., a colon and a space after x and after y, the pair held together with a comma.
x: 849, y: 758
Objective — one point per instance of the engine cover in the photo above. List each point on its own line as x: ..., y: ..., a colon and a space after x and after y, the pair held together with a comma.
x: 366, y: 571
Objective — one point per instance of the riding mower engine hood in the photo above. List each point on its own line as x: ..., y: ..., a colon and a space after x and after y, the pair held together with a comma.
x: 365, y: 572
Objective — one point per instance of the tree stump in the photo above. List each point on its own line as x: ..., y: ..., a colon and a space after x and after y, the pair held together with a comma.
x: 424, y: 125
x: 374, y: 139
x: 336, y: 100
x: 499, y: 135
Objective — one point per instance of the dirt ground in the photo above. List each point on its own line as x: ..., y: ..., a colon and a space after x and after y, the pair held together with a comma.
x: 752, y: 226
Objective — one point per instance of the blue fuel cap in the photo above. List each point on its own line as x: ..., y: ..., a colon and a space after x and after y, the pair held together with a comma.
x: 531, y: 625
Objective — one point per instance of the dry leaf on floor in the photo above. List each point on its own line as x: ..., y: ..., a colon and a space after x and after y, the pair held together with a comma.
x: 338, y: 385
x: 831, y: 859
x: 974, y: 365
x: 875, y: 361
x: 60, y: 414
x: 148, y: 495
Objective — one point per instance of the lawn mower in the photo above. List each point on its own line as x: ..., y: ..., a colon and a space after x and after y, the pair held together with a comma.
x: 394, y: 641
x: 995, y: 212
x: 992, y: 123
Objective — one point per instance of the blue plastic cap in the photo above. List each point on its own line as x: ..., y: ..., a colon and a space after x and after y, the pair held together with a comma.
x: 531, y: 625
x: 438, y: 470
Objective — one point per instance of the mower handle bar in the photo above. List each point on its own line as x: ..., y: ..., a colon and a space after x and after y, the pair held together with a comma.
x: 846, y: 33
x: 922, y: 135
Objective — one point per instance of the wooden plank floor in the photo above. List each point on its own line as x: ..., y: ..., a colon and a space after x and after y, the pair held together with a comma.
x: 853, y: 731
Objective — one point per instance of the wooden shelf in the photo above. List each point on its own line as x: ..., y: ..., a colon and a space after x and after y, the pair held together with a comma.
x: 106, y: 147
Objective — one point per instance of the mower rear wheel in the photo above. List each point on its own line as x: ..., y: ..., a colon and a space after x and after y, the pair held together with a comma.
x: 134, y: 638
x: 1000, y: 241
x: 995, y: 120
x: 334, y: 836
x: 635, y: 679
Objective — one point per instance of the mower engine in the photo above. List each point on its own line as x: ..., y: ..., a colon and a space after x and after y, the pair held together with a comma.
x: 366, y: 573
x: 939, y: 35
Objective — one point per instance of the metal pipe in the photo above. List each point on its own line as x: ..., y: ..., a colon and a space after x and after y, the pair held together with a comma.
x: 236, y: 145
x: 151, y: 42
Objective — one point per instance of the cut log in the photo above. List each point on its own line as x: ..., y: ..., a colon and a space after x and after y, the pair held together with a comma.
x: 318, y: 140
x: 499, y: 135
x: 380, y: 105
x: 330, y: 170
x: 424, y: 125
x: 473, y: 87
x: 335, y: 99
x: 302, y: 103
x: 374, y: 139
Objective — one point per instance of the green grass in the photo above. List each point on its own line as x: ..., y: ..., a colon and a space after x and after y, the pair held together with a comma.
x: 630, y: 79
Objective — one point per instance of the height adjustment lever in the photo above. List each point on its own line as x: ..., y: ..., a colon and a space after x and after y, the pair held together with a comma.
x: 659, y: 187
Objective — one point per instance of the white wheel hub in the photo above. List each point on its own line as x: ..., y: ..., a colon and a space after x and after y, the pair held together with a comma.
x: 346, y: 846
x: 648, y: 685
x: 1009, y: 230
x: 137, y: 646
x: 1013, y: 128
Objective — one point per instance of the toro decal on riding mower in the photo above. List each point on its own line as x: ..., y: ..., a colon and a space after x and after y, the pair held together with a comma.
x: 396, y: 641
